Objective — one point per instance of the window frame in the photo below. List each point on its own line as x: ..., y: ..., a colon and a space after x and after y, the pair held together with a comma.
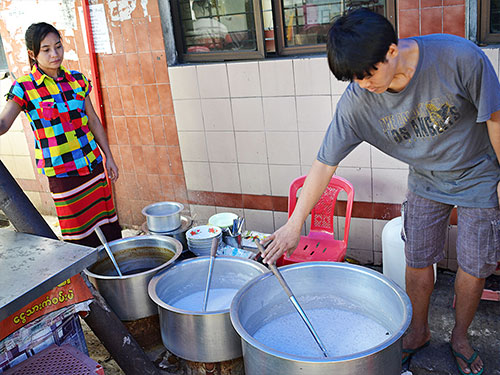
x: 484, y: 20
x: 259, y: 53
x: 279, y: 31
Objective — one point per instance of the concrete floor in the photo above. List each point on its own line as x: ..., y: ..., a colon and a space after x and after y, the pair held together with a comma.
x: 484, y: 331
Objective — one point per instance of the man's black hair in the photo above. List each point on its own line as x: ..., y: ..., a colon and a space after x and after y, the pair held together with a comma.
x: 34, y: 36
x: 357, y: 41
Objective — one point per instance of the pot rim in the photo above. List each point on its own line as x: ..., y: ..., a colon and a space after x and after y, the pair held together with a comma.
x: 400, y: 294
x: 162, y: 304
x: 179, y: 206
x: 177, y: 253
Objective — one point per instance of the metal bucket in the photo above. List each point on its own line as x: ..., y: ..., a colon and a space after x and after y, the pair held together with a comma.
x: 163, y: 216
x: 196, y: 335
x: 321, y: 287
x: 178, y: 234
x: 139, y: 259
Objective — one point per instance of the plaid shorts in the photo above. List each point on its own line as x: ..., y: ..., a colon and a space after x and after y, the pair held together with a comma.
x: 424, y: 231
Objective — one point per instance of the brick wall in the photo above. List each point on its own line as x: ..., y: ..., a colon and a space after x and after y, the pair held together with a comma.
x: 139, y: 115
x: 422, y: 17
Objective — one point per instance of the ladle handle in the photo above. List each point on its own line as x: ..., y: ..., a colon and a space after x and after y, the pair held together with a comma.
x: 294, y: 301
x: 103, y: 240
x: 213, y: 252
x: 275, y: 271
x: 214, y: 247
x: 101, y: 235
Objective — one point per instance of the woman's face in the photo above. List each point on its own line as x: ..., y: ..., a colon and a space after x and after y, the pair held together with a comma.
x: 51, y: 53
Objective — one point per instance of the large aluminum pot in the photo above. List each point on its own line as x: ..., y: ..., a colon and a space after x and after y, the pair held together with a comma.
x: 163, y: 216
x: 196, y: 335
x: 139, y: 259
x: 320, y: 287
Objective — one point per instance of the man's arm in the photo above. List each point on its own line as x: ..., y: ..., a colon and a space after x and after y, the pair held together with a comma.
x: 493, y: 125
x: 102, y: 140
x: 8, y: 115
x: 287, y: 237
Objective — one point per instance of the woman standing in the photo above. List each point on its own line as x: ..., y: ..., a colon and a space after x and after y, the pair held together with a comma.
x: 67, y: 132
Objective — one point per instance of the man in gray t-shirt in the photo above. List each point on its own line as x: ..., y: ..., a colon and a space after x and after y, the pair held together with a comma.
x: 434, y: 103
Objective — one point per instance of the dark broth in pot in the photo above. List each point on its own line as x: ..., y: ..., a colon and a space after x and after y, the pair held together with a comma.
x: 133, y: 261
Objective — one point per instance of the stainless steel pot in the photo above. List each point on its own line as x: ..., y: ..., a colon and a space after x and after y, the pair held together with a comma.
x: 178, y: 234
x: 196, y: 335
x: 163, y: 216
x: 322, y: 285
x: 139, y: 259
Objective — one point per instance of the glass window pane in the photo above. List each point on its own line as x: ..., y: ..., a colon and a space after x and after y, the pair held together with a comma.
x: 217, y: 25
x: 495, y: 16
x: 306, y: 22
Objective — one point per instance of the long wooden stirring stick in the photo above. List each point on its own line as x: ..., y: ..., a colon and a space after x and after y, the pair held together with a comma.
x: 294, y: 301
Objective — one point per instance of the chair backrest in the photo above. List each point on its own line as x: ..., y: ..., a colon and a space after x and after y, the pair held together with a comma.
x: 323, y: 212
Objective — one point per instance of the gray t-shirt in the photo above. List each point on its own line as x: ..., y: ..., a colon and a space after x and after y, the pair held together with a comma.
x: 436, y: 124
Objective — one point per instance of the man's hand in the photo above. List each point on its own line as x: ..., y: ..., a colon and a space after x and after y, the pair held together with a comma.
x: 288, y: 236
x: 112, y: 169
x: 284, y: 239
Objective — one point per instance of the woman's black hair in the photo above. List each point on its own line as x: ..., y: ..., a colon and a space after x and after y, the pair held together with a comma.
x: 34, y: 36
x: 357, y: 41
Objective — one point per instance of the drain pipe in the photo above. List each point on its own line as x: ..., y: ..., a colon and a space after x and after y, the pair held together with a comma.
x: 101, y: 319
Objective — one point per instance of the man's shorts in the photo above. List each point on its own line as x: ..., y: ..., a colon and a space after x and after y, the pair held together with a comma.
x: 425, y: 224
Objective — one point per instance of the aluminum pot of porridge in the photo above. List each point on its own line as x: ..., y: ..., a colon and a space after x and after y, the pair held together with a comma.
x: 359, y: 315
x: 186, y: 330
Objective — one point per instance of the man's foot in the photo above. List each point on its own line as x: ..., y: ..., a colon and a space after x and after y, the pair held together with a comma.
x: 468, y: 361
x: 413, y: 342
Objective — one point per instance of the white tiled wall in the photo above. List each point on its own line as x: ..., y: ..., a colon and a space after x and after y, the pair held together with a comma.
x: 252, y: 127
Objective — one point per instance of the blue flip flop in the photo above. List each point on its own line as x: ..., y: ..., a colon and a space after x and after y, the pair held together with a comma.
x: 469, y: 362
x: 411, y: 352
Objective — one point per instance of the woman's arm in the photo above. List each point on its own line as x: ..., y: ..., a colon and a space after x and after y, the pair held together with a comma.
x: 493, y: 125
x: 8, y: 115
x: 287, y: 237
x: 102, y: 140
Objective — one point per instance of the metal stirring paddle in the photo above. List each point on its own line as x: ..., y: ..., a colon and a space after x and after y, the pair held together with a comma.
x: 103, y: 240
x: 294, y: 301
x: 213, y: 251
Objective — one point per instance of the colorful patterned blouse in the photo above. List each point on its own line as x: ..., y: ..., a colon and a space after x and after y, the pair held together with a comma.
x: 64, y: 144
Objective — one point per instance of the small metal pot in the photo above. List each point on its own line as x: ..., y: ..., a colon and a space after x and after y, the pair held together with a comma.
x: 139, y: 259
x: 163, y: 216
x: 178, y: 234
x: 196, y: 335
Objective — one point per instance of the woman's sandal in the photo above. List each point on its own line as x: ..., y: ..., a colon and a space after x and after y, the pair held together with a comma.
x: 469, y: 362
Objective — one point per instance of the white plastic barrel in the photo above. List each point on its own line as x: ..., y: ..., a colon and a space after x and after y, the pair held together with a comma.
x: 393, y: 253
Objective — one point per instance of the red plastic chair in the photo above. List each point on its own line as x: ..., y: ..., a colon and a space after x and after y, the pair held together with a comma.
x: 320, y: 244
